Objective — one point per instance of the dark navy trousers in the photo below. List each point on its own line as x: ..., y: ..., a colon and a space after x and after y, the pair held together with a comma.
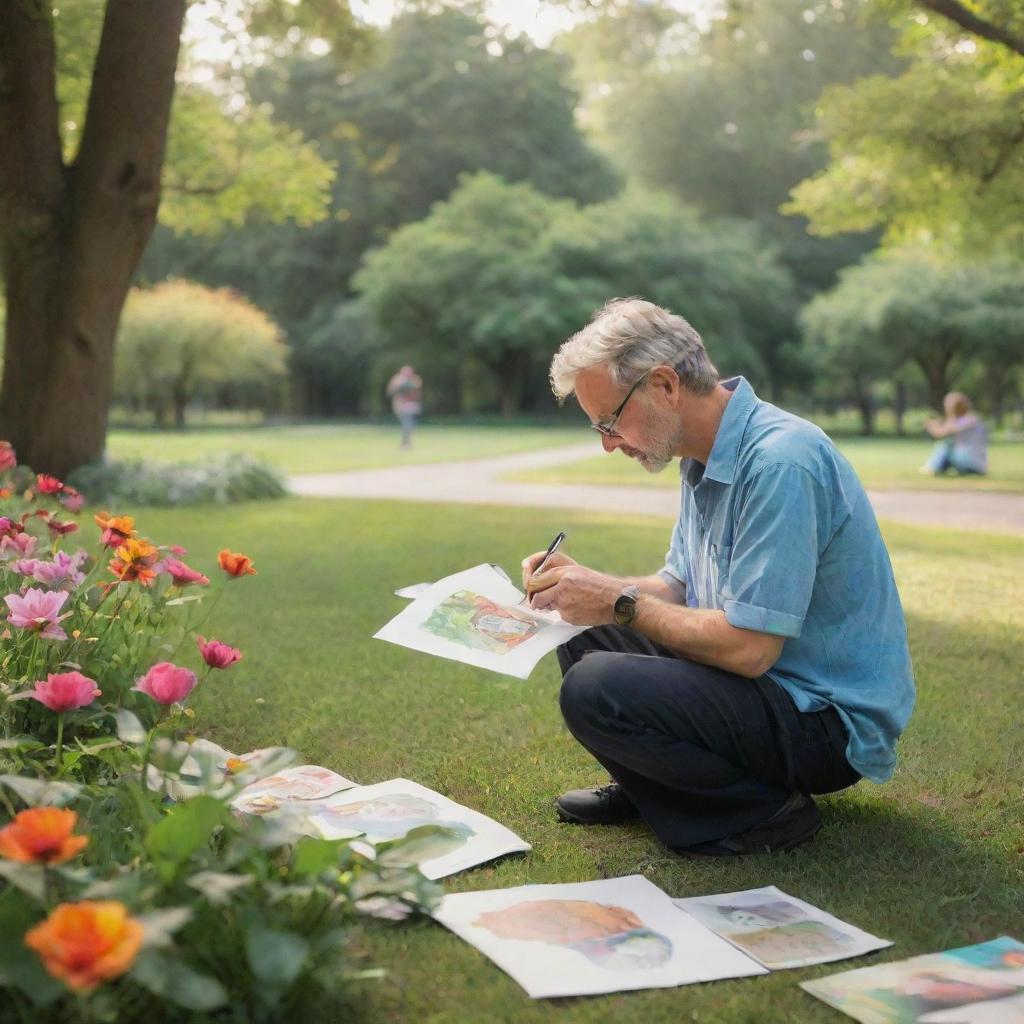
x: 701, y: 752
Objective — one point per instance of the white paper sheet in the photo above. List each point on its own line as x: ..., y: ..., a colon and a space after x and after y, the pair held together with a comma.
x: 392, y: 809
x: 589, y: 938
x: 980, y: 984
x: 477, y: 617
x: 778, y: 930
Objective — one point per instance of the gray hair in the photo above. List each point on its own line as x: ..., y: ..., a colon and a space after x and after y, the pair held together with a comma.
x: 631, y: 337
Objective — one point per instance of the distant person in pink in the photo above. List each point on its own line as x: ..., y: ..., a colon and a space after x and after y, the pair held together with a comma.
x: 962, y: 440
x: 405, y: 389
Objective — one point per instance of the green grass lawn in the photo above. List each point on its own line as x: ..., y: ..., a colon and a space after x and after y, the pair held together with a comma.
x: 881, y: 463
x: 934, y: 859
x: 325, y: 448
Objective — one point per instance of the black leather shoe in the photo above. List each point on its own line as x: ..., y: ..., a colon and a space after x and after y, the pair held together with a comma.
x: 796, y: 821
x: 606, y: 805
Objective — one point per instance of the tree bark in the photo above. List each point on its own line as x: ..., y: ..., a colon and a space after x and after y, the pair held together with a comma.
x: 72, y: 236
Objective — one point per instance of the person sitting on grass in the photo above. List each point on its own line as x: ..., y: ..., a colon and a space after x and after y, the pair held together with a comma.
x: 962, y: 440
x: 768, y: 659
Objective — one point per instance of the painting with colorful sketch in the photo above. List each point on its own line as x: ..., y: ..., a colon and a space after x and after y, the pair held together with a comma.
x: 297, y: 788
x: 778, y: 930
x: 982, y: 984
x: 479, y: 617
x: 589, y: 938
x: 462, y: 838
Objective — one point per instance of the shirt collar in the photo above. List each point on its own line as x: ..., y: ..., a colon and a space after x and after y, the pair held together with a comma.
x: 726, y: 448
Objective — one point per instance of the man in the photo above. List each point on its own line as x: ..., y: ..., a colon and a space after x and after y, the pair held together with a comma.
x: 768, y: 659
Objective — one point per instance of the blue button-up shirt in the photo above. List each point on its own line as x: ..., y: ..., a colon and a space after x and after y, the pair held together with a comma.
x: 777, y: 531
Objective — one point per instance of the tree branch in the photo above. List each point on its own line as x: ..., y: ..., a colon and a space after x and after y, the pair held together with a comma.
x: 971, y: 22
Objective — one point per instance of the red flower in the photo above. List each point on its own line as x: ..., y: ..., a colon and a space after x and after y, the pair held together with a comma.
x: 8, y: 460
x: 48, y: 484
x: 58, y: 528
x: 235, y: 564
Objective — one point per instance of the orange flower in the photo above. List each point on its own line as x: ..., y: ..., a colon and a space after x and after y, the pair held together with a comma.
x: 135, y: 560
x: 235, y: 564
x: 116, y: 529
x: 41, y: 835
x: 86, y: 943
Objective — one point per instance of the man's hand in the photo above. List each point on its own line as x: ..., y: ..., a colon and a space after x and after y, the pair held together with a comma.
x: 580, y: 595
x: 530, y: 565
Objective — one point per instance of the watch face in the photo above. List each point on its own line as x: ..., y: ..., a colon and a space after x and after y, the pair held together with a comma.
x: 624, y: 609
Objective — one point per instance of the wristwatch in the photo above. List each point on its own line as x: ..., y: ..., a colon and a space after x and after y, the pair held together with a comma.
x: 624, y: 608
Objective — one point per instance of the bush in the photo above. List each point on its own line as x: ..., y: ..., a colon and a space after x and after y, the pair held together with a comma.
x: 116, y: 902
x: 220, y: 479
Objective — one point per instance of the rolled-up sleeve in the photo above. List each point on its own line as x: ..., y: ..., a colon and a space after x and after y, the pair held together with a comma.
x: 673, y: 571
x: 773, y: 560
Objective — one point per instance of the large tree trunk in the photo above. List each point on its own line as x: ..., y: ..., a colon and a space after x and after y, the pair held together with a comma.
x: 865, y: 406
x: 72, y: 237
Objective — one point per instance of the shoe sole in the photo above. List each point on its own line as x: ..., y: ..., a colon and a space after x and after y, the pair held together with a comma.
x: 567, y: 818
x: 784, y: 847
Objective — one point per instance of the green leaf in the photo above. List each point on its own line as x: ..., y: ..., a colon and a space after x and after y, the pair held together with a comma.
x: 160, y: 925
x: 21, y: 743
x: 167, y: 977
x: 186, y: 828
x: 311, y: 856
x: 29, y: 878
x: 19, y: 966
x: 129, y: 728
x: 419, y: 844
x: 218, y: 886
x: 275, y: 957
x: 37, y: 792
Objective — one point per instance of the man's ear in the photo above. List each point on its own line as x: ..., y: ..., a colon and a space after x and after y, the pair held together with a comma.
x: 666, y: 380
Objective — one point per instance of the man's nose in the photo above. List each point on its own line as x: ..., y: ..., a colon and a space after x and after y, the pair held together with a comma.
x: 610, y: 442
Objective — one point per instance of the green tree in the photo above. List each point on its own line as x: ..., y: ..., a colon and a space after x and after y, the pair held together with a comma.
x: 906, y: 307
x: 180, y: 342
x: 499, y: 275
x: 937, y: 152
x: 86, y: 93
x: 720, y: 116
x: 445, y: 94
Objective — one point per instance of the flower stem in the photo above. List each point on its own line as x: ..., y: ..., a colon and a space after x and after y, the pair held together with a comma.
x: 58, y: 757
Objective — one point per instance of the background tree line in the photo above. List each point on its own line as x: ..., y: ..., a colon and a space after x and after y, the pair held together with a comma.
x: 831, y: 190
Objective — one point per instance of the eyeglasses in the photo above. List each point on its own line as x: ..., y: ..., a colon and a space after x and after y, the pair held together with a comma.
x: 607, y: 427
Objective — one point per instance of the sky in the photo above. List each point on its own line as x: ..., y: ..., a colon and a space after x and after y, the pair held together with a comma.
x: 541, y: 21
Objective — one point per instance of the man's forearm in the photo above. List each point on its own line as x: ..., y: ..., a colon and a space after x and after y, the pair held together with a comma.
x: 659, y: 587
x: 704, y: 635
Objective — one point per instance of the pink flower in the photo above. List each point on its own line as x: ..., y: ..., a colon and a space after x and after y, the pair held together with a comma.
x: 182, y: 574
x: 166, y: 683
x: 63, y: 573
x: 17, y: 545
x: 217, y: 654
x: 6, y: 526
x: 71, y: 499
x: 8, y: 460
x: 38, y: 610
x: 177, y: 549
x: 66, y: 691
x: 25, y: 566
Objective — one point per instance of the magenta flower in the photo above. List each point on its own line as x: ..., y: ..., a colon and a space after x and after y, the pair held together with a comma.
x: 66, y: 691
x: 166, y: 683
x: 183, y: 575
x: 38, y: 611
x: 217, y: 654
x: 17, y: 545
x: 71, y: 499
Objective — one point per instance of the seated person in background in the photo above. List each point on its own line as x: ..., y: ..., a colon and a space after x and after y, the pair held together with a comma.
x: 961, y: 436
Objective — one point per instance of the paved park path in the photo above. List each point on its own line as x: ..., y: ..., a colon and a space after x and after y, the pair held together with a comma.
x: 478, y: 482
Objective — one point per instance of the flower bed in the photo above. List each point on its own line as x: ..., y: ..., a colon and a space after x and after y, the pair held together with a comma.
x: 117, y: 903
